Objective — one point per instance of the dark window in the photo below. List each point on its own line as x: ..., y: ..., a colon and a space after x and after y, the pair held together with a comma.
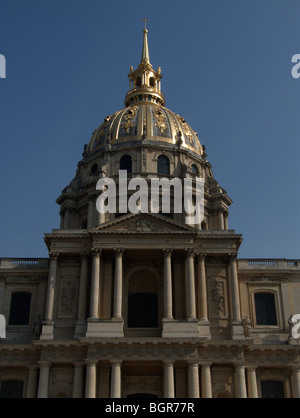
x: 272, y: 389
x: 143, y: 310
x: 265, y: 309
x: 163, y: 165
x: 152, y: 82
x: 195, y: 171
x: 20, y: 308
x: 126, y: 163
x: 94, y: 170
x: 138, y: 81
x: 11, y: 389
x: 84, y: 224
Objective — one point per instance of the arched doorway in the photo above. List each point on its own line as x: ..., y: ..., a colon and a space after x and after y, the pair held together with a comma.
x: 143, y: 310
x: 142, y: 307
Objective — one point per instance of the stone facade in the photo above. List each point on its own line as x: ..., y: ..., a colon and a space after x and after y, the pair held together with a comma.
x: 142, y: 303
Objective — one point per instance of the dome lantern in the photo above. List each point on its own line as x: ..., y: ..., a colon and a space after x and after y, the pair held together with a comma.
x: 144, y: 82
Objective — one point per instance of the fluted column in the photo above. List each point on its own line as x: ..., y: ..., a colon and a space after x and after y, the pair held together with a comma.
x: 67, y: 218
x: 51, y: 287
x: 251, y: 382
x: 206, y: 388
x: 168, y: 308
x: 190, y: 286
x: 169, y: 388
x: 115, y: 384
x: 193, y: 380
x: 296, y: 382
x: 221, y: 219
x: 236, y: 310
x: 117, y: 314
x: 95, y: 285
x: 202, y: 292
x: 78, y: 380
x: 81, y: 315
x: 240, y: 381
x: 91, y: 378
x: 43, y: 379
x: 32, y: 381
x: 90, y: 219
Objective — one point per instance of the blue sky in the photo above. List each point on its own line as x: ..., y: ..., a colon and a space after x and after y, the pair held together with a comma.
x: 226, y: 68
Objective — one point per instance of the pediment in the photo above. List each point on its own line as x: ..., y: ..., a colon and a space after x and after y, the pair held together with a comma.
x: 143, y: 223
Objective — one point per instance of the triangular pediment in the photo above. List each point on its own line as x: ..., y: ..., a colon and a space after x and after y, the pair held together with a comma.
x: 143, y: 223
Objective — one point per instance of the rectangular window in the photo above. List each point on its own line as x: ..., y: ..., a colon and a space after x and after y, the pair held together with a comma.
x: 265, y: 309
x: 11, y: 389
x: 272, y: 389
x: 20, y: 308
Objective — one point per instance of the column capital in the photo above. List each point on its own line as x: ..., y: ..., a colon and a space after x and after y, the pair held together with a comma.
x: 84, y: 254
x: 239, y: 366
x: 250, y: 367
x: 53, y: 255
x: 167, y: 252
x: 232, y: 256
x: 189, y: 252
x: 32, y: 366
x: 119, y: 252
x: 200, y: 256
x: 115, y: 361
x: 44, y: 363
x: 90, y: 361
x: 96, y: 251
x: 168, y: 362
x: 193, y: 362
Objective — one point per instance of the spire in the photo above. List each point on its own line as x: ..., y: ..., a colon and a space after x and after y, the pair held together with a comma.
x: 145, y: 51
x: 144, y: 82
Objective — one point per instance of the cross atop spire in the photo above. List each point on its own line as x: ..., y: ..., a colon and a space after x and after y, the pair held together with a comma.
x: 145, y: 20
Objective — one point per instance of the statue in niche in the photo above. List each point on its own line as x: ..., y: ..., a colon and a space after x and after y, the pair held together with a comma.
x: 247, y: 327
x: 218, y: 298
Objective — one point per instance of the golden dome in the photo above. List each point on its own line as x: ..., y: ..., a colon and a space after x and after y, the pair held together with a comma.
x: 144, y: 117
x: 144, y: 122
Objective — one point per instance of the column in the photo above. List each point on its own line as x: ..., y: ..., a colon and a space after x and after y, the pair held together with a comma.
x: 221, y: 219
x: 77, y: 380
x: 81, y: 315
x: 202, y: 294
x: 51, y: 287
x: 90, y: 385
x: 191, y: 290
x: 67, y: 218
x: 95, y: 285
x: 226, y: 220
x: 44, y: 379
x: 90, y: 219
x: 169, y: 388
x: 115, y: 384
x: 32, y: 381
x: 193, y: 380
x: 118, y: 286
x: 251, y: 382
x: 168, y: 308
x: 296, y: 382
x: 206, y: 388
x: 240, y: 382
x: 234, y: 289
